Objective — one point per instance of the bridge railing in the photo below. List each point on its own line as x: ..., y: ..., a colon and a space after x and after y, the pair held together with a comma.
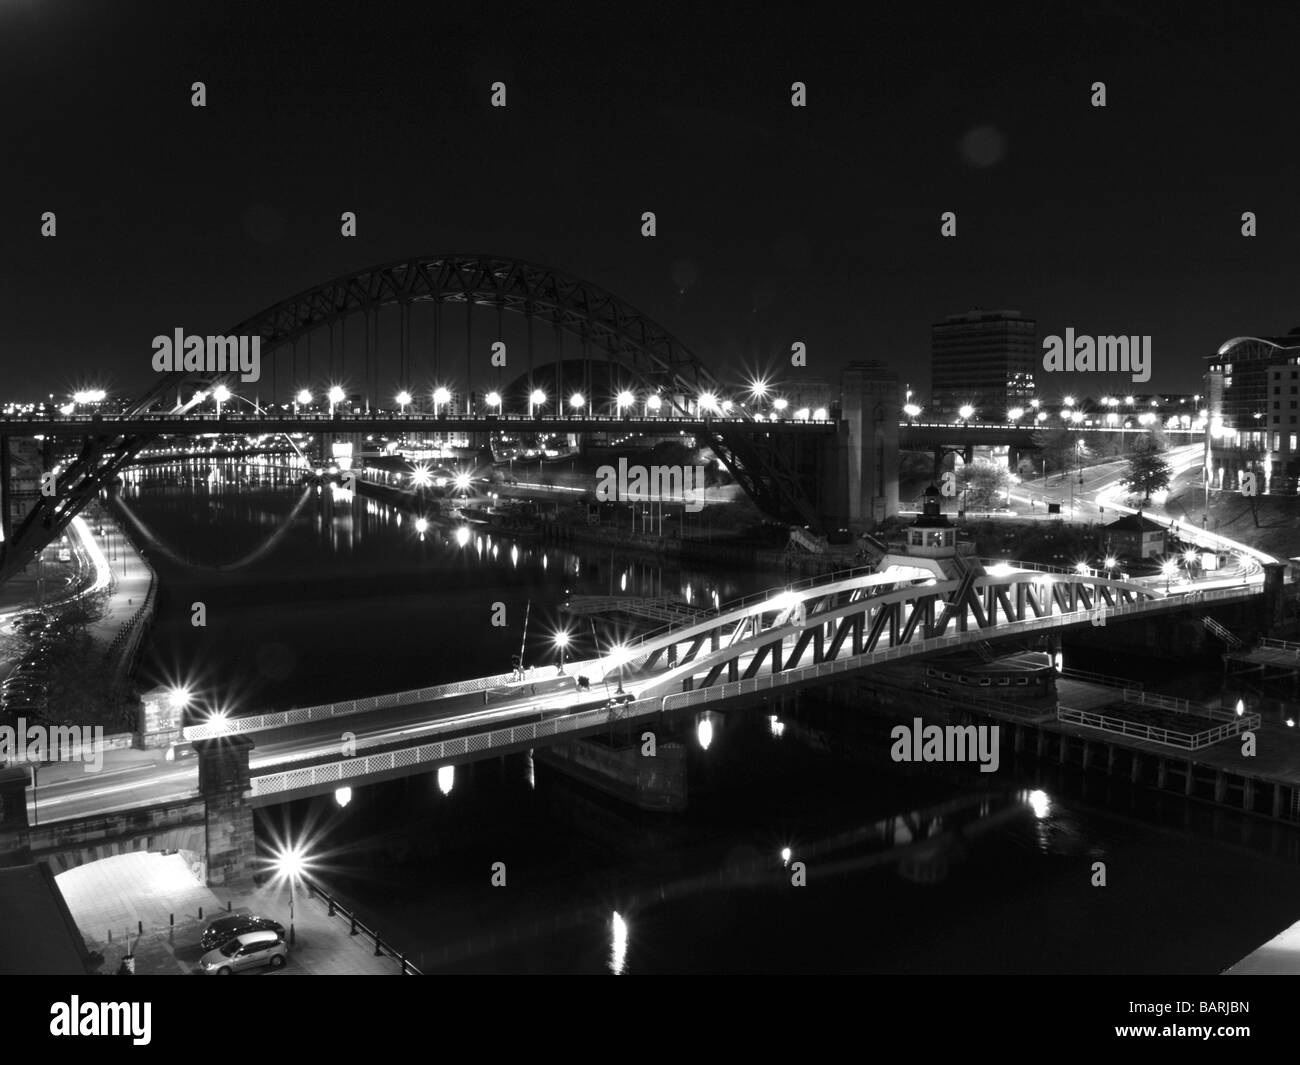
x: 306, y: 714
x: 1279, y: 645
x: 439, y: 752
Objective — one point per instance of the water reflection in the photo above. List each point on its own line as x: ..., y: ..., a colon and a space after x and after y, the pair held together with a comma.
x: 618, y: 944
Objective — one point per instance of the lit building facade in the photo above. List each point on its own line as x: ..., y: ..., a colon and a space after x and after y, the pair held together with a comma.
x: 1253, y: 409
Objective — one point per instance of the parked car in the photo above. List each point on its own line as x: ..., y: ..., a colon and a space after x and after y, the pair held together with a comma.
x: 252, y: 950
x: 224, y: 929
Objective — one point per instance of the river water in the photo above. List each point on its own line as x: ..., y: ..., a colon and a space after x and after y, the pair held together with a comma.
x: 507, y: 866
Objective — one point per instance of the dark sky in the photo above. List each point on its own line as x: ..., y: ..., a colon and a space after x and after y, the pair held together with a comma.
x: 775, y: 223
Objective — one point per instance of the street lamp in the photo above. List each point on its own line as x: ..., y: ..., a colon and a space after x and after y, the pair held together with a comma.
x: 441, y: 397
x: 576, y: 401
x: 912, y: 411
x: 654, y: 403
x: 403, y: 400
x: 561, y: 641
x: 618, y: 655
x: 535, y: 399
x: 221, y: 393
x: 493, y: 399
x: 966, y: 412
x: 290, y: 864
x: 707, y: 402
x: 336, y: 397
x: 779, y: 405
x: 1169, y: 569
x: 624, y: 400
x: 302, y: 399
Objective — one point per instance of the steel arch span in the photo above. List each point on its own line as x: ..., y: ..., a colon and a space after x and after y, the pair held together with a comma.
x: 646, y: 353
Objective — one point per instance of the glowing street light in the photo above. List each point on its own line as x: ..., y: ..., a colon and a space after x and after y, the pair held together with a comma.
x: 536, y: 398
x: 912, y: 410
x: 221, y: 393
x: 302, y: 399
x: 758, y: 389
x: 336, y: 397
x: 576, y: 401
x: 780, y: 404
x: 966, y: 412
x: 1069, y: 401
x: 561, y: 641
x: 1169, y: 569
x: 654, y: 403
x: 624, y: 400
x: 291, y: 864
x: 1015, y: 414
x: 493, y: 399
x: 708, y: 402
x: 802, y: 414
x: 403, y: 400
x: 441, y: 397
x: 342, y: 796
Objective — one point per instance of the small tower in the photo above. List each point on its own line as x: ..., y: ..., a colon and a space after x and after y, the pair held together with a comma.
x: 931, y: 546
x: 932, y: 535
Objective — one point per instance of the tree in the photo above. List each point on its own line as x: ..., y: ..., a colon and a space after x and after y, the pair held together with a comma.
x: 1147, y: 471
x: 983, y: 484
x: 1057, y: 447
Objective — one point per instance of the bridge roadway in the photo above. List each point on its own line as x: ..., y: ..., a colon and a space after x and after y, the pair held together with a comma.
x: 750, y: 650
x: 912, y: 434
x: 191, y: 422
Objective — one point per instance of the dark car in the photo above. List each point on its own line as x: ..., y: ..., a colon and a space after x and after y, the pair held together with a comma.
x: 224, y: 929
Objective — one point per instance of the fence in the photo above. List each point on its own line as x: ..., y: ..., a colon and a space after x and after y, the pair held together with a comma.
x: 336, y: 908
x: 1191, y: 741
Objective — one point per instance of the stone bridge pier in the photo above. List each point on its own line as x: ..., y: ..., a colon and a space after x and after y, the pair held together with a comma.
x: 215, y: 827
x: 231, y: 850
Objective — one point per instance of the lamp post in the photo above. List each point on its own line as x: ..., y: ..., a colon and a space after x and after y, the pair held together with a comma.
x: 536, y: 398
x: 403, y: 401
x: 302, y: 399
x: 290, y: 864
x: 561, y: 641
x: 221, y: 393
x: 335, y: 397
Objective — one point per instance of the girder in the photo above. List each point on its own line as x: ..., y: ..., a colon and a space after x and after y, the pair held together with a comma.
x: 607, y: 325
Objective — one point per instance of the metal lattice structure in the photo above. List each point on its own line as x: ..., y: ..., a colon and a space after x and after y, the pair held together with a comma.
x: 608, y: 327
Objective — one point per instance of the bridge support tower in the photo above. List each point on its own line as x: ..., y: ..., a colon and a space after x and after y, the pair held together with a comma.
x: 865, y: 466
x: 223, y: 782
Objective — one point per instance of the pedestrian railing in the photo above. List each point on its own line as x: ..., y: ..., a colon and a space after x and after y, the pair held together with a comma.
x: 1191, y: 741
x: 337, y: 909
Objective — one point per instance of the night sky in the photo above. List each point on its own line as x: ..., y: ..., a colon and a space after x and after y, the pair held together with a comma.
x: 775, y: 223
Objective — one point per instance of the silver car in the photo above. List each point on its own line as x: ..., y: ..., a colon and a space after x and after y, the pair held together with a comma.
x: 252, y: 950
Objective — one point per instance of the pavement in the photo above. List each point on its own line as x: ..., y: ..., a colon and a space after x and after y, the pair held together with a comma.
x: 1280, y: 956
x: 110, y: 899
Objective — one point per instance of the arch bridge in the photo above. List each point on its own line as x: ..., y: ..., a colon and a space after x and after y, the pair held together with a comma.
x: 402, y: 310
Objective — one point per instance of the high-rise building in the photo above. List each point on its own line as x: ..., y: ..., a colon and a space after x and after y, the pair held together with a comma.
x: 985, y: 359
